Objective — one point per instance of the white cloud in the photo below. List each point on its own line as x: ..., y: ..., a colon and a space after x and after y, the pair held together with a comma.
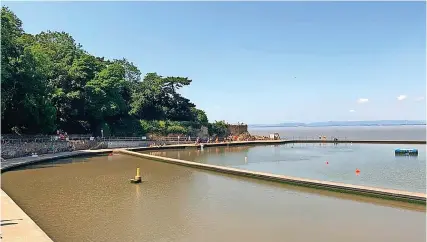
x: 419, y: 99
x: 362, y: 100
x: 401, y: 97
x: 351, y: 110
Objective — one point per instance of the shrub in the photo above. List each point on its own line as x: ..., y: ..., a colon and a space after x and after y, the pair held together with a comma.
x: 176, y: 129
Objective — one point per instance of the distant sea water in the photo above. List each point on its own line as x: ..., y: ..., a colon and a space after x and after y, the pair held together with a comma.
x: 404, y: 132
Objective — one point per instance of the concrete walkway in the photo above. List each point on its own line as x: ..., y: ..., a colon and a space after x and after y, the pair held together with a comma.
x: 21, y: 161
x: 16, y: 225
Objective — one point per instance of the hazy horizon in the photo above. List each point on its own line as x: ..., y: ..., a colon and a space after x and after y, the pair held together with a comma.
x: 412, y: 122
x: 402, y: 132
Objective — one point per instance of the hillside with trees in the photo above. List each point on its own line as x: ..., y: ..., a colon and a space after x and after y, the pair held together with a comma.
x: 49, y: 82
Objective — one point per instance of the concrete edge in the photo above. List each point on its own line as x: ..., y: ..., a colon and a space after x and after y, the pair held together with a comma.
x: 55, y: 157
x: 25, y: 229
x: 270, y: 142
x: 332, y: 186
x: 414, y: 142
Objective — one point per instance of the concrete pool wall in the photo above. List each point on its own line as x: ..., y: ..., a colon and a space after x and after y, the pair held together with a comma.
x: 339, y: 187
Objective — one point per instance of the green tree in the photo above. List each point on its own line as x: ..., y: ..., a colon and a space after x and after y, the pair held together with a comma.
x: 156, y: 97
x: 218, y: 128
x: 25, y: 105
x: 200, y: 116
x: 48, y: 81
x: 105, y: 95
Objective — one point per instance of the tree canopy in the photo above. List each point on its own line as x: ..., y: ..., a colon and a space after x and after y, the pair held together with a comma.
x: 49, y: 82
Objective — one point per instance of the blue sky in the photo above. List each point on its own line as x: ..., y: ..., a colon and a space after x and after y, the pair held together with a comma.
x: 259, y: 62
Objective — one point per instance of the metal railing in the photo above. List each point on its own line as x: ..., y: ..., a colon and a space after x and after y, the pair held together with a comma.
x: 47, y: 138
x: 313, y: 138
x: 22, y: 139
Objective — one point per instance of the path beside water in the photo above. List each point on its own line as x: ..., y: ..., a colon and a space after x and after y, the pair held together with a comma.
x: 16, y: 225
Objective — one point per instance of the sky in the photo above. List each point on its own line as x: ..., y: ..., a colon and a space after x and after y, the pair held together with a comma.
x: 262, y: 62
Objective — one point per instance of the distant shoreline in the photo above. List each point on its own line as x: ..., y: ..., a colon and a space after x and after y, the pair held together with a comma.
x: 343, y: 125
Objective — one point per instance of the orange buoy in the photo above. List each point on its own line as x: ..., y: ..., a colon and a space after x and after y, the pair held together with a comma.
x: 357, y: 171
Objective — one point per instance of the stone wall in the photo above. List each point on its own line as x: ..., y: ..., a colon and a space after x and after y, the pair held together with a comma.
x: 20, y: 149
x: 237, y: 129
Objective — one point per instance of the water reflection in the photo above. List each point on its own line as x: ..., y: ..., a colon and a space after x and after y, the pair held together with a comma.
x: 138, y: 192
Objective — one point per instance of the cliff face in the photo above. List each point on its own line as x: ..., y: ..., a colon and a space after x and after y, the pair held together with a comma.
x: 203, y: 132
x: 237, y: 129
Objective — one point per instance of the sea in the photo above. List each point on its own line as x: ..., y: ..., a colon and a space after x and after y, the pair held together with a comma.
x: 404, y: 132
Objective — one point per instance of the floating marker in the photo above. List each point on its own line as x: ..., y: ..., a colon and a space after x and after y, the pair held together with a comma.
x: 327, y: 162
x: 246, y: 159
x: 413, y: 152
x: 137, y: 178
x: 357, y: 172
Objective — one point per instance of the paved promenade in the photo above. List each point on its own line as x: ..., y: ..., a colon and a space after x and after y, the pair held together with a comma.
x: 16, y: 225
x: 21, y: 161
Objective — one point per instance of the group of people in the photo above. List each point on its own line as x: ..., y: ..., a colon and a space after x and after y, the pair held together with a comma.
x: 156, y: 145
x: 61, y: 135
x: 208, y: 140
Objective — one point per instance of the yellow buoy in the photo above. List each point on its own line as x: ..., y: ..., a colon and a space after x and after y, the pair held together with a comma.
x: 137, y: 177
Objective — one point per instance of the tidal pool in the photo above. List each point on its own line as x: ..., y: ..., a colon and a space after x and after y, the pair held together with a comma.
x: 91, y: 199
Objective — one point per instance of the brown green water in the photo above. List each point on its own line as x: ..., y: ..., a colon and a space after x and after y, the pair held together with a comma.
x: 91, y: 199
